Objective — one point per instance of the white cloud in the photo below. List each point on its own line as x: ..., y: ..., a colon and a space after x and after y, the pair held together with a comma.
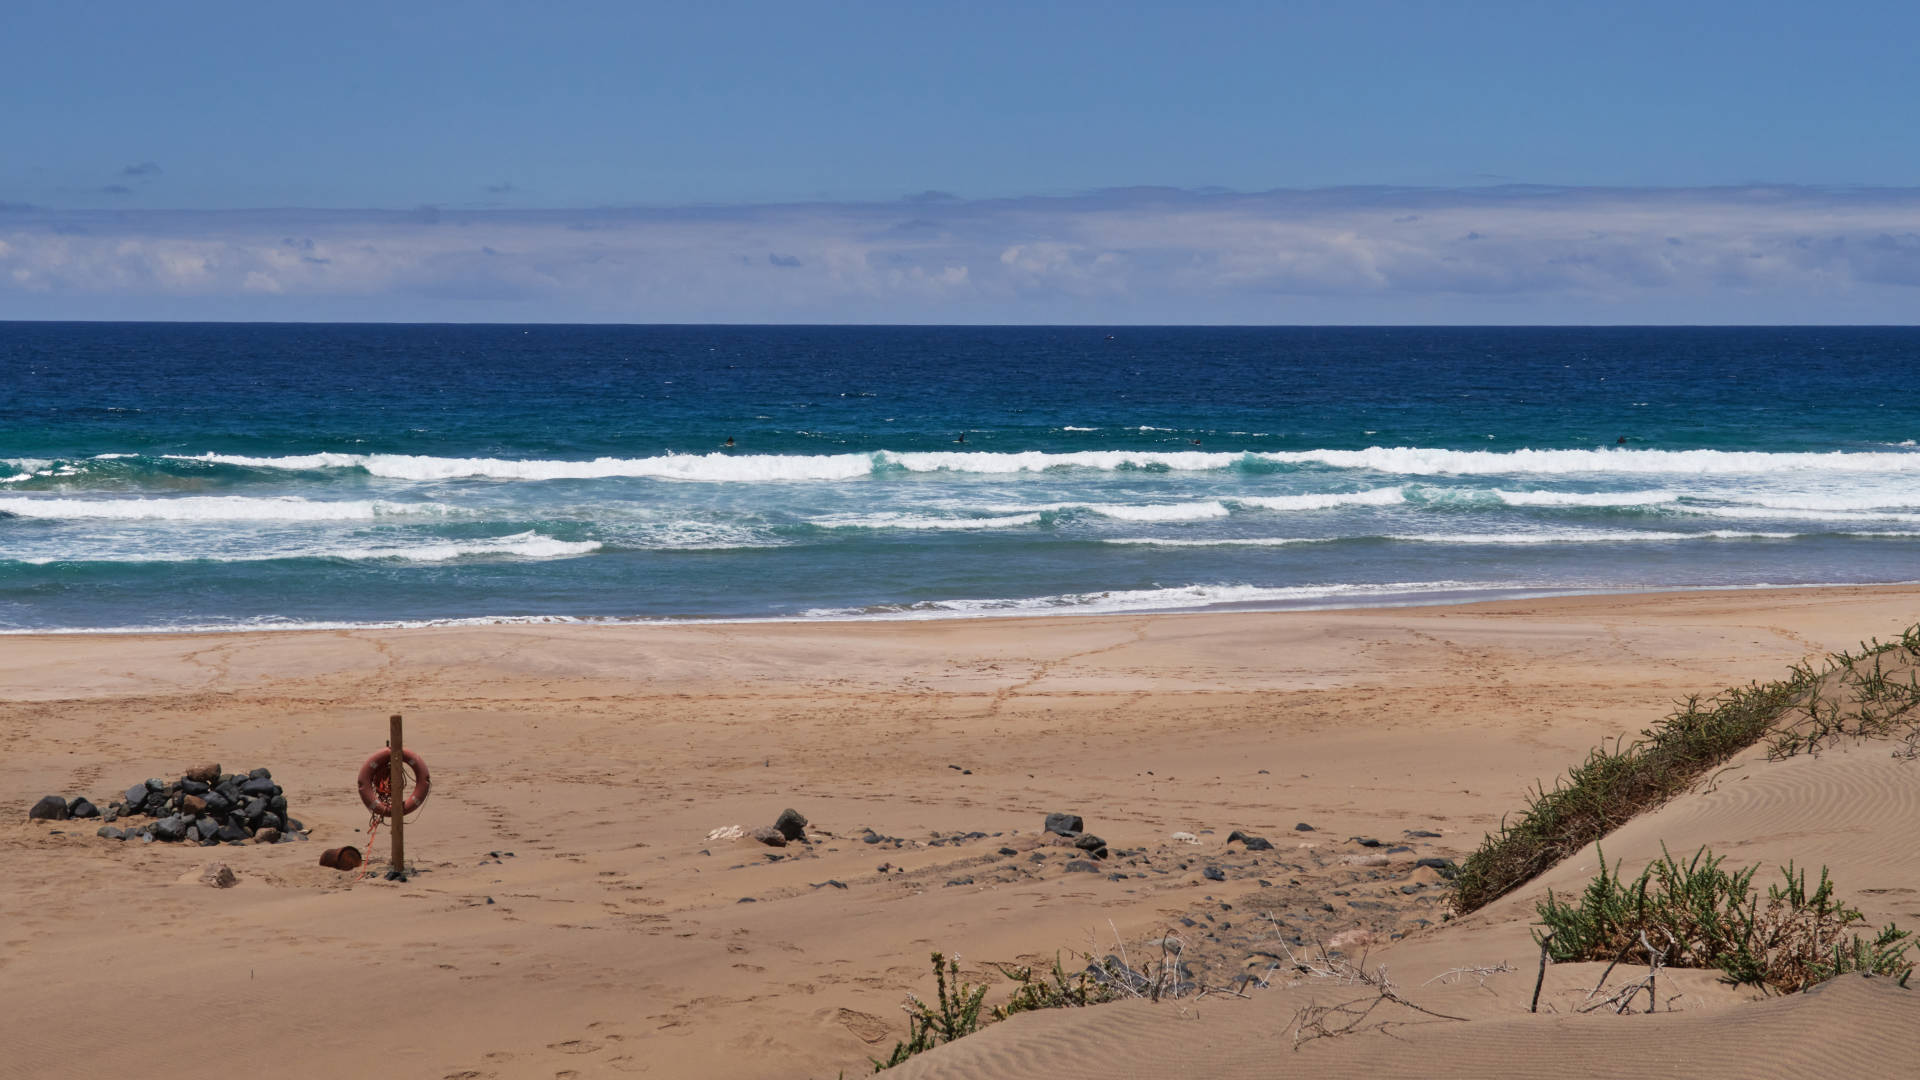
x: 1499, y: 254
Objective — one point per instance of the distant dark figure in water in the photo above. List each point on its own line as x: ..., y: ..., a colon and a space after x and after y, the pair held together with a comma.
x: 729, y: 443
x: 962, y: 438
x: 1195, y: 442
x: 1621, y: 441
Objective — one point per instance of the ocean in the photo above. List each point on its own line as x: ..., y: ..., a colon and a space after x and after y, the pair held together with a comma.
x: 233, y: 476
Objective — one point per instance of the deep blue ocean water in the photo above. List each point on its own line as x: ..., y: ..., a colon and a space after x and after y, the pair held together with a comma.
x: 189, y: 475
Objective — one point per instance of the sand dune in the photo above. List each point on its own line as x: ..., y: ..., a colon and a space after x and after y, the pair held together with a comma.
x: 616, y: 940
x: 1853, y: 1027
x: 1850, y: 810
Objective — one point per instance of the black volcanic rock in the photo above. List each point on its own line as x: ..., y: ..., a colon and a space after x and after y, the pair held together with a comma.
x: 791, y: 824
x: 1092, y: 845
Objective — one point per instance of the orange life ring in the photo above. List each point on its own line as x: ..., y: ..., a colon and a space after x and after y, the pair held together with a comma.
x: 373, y: 782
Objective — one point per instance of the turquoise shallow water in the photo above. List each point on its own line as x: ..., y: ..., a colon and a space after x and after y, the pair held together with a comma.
x: 178, y: 475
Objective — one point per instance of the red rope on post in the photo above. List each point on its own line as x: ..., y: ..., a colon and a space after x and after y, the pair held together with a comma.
x: 376, y: 791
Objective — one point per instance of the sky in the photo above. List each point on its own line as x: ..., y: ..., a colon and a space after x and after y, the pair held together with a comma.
x: 887, y: 162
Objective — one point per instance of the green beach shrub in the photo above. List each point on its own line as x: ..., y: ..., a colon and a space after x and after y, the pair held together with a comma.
x: 1805, y: 712
x: 1057, y: 990
x: 1699, y: 915
x: 1869, y: 700
x: 957, y: 1012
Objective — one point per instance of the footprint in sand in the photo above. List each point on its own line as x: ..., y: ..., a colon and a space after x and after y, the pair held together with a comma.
x: 575, y: 1046
x: 866, y: 1027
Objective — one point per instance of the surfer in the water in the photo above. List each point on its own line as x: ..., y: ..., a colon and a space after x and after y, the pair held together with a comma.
x: 729, y: 443
x: 962, y: 439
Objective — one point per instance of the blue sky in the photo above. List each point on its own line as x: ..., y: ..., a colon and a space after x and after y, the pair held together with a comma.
x: 157, y: 155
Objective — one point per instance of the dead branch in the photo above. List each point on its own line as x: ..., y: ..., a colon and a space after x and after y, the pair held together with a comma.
x: 1478, y: 973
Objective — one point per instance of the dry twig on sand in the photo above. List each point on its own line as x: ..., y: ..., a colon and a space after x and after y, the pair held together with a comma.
x: 1622, y: 999
x: 1349, y: 1017
x: 1479, y: 973
x: 1909, y: 747
x: 1155, y: 979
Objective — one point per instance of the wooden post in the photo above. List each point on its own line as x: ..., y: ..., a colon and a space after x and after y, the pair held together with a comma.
x: 397, y: 781
x: 1541, y: 979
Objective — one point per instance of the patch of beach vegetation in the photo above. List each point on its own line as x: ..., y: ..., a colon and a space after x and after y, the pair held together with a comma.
x: 1874, y: 693
x: 959, y: 1007
x: 1697, y: 914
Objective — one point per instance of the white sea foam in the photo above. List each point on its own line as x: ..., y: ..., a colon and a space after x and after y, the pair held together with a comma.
x: 1386, y: 496
x: 1244, y: 541
x: 526, y: 545
x: 1193, y: 511
x: 1586, y: 498
x: 1907, y: 496
x: 1217, y: 508
x: 1189, y: 511
x: 29, y: 468
x: 19, y: 469
x: 1583, y: 536
x: 1040, y: 461
x: 749, y: 468
x: 212, y: 508
x: 1417, y: 461
x: 1406, y: 461
x: 1558, y: 536
x: 1189, y: 597
x: 688, y: 535
x: 920, y: 521
x: 1778, y: 513
x: 1811, y: 506
x: 262, y: 623
x: 706, y: 467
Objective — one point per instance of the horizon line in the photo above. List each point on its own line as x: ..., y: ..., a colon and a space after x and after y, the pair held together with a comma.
x: 967, y: 325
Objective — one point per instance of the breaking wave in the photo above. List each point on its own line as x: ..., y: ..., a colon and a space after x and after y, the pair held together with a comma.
x: 921, y: 521
x: 767, y: 468
x: 526, y: 545
x: 213, y: 508
x: 1187, y: 597
x: 1567, y: 536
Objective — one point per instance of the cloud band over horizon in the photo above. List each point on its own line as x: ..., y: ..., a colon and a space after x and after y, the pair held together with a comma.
x: 1360, y: 255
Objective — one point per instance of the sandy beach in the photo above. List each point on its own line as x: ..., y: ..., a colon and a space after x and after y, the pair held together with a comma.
x: 572, y: 918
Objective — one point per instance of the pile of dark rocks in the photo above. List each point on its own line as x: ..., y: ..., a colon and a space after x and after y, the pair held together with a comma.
x: 1070, y: 829
x: 58, y: 808
x: 205, y: 806
x: 789, y: 828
